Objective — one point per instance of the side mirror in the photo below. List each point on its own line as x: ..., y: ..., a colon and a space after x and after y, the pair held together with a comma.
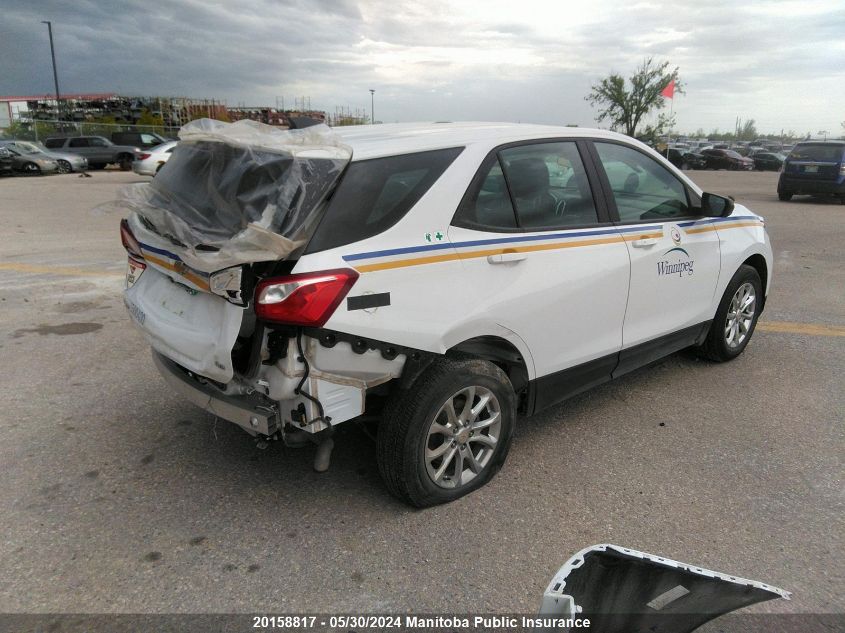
x: 714, y: 206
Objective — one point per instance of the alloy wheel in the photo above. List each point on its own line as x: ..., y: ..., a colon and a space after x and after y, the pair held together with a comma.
x: 740, y: 315
x: 462, y: 437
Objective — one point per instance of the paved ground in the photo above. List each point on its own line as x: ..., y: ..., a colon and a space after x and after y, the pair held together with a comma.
x: 117, y: 496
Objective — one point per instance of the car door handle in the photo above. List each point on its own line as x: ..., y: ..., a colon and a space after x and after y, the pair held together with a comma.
x: 504, y: 258
x: 644, y: 242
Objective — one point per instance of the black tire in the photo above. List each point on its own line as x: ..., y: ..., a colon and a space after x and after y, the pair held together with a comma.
x: 31, y: 169
x: 404, y: 432
x: 685, y: 166
x: 716, y: 346
x: 64, y: 167
x: 783, y: 195
x: 124, y: 161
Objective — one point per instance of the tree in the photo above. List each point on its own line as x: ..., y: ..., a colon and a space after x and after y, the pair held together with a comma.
x: 748, y: 131
x: 626, y: 107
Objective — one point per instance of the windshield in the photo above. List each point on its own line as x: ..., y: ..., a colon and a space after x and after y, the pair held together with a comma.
x: 27, y: 148
x: 823, y: 153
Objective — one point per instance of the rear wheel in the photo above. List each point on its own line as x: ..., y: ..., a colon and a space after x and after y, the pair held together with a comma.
x: 685, y: 166
x: 31, y: 169
x: 64, y: 167
x: 448, y: 434
x: 736, y: 317
x: 125, y: 162
x: 783, y: 195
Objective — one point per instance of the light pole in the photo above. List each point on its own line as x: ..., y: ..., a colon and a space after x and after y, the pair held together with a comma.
x: 372, y: 109
x: 53, y: 55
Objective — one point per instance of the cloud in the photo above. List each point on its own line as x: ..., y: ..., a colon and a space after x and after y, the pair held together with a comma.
x: 779, y: 63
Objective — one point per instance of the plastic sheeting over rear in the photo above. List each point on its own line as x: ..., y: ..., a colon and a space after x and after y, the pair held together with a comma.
x: 242, y: 192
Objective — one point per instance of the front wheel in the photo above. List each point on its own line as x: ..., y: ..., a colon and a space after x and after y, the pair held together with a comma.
x: 448, y: 434
x: 64, y: 167
x: 125, y: 163
x: 736, y: 317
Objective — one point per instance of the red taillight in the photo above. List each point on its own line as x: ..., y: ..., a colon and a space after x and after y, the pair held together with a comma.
x: 129, y: 242
x: 143, y: 156
x: 304, y: 299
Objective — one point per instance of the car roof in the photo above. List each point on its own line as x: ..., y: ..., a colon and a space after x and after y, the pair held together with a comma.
x: 822, y: 142
x: 373, y: 141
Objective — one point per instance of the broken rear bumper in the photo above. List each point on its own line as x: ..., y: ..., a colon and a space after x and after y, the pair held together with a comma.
x: 252, y: 413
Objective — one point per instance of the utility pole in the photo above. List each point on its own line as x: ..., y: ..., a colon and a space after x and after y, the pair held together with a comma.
x: 53, y: 55
x: 372, y: 106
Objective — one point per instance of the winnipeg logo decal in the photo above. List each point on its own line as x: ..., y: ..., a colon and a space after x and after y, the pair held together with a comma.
x: 675, y: 261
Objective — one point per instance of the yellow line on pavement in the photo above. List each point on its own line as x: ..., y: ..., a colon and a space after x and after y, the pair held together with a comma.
x: 58, y: 270
x: 811, y: 329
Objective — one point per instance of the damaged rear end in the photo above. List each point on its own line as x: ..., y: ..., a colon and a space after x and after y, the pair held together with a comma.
x: 212, y: 243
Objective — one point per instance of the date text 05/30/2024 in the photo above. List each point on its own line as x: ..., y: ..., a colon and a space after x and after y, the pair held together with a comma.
x: 417, y: 622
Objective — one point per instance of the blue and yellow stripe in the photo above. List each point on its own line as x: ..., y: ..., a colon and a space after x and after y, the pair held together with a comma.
x: 172, y: 262
x: 434, y: 253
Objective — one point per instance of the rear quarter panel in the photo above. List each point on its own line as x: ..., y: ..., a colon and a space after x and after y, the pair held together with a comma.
x: 425, y: 279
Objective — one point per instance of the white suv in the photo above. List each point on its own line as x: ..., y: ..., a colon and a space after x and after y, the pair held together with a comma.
x: 445, y: 277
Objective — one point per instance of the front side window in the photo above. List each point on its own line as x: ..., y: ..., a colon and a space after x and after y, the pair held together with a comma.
x: 78, y: 142
x: 53, y: 143
x: 531, y: 187
x: 642, y: 188
x: 97, y: 142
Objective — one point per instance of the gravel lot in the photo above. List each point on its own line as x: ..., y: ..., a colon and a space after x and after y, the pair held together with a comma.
x: 118, y: 497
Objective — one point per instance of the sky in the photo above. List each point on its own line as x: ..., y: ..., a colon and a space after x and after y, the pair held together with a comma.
x: 779, y: 62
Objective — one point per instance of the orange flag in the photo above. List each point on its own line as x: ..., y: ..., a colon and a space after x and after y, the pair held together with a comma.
x: 669, y: 90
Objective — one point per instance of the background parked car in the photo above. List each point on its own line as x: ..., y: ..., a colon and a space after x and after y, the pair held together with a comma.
x: 685, y: 160
x: 67, y: 162
x: 150, y: 162
x: 31, y: 162
x: 814, y: 167
x: 144, y: 140
x: 726, y: 159
x: 5, y: 162
x: 767, y: 161
x: 98, y: 150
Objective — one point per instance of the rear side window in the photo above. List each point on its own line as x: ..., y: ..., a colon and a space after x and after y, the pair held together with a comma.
x: 54, y: 143
x: 78, y: 142
x: 822, y: 153
x: 375, y: 194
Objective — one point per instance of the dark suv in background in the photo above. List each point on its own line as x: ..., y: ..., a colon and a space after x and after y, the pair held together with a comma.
x: 814, y: 168
x: 144, y: 140
x: 98, y: 150
x: 684, y: 160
